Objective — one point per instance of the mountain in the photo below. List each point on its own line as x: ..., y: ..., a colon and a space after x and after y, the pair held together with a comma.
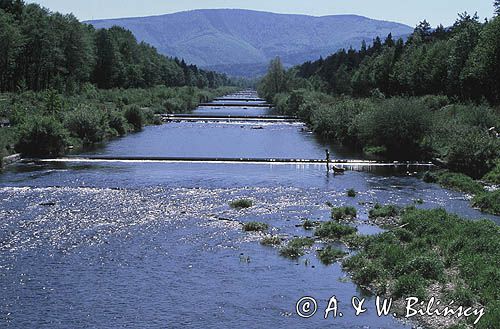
x: 223, y: 39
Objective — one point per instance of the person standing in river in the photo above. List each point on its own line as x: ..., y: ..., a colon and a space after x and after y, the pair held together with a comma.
x: 327, y: 160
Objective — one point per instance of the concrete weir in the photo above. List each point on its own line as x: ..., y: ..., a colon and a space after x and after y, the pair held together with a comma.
x: 218, y: 118
x: 347, y: 164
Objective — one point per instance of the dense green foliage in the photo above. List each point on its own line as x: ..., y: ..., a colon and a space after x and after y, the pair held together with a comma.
x: 45, y: 123
x: 334, y: 230
x: 241, y: 204
x: 295, y: 247
x: 431, y: 96
x: 403, y: 262
x: 330, y: 255
x: 344, y: 213
x: 42, y: 50
x: 255, y: 227
x: 488, y: 202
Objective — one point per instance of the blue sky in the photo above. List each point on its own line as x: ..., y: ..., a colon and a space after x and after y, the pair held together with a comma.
x: 408, y: 12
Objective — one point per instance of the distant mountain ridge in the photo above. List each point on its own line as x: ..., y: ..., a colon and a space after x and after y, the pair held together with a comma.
x: 224, y: 38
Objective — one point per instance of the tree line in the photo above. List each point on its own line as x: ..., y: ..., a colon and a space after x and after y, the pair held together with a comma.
x: 45, y: 50
x: 460, y: 61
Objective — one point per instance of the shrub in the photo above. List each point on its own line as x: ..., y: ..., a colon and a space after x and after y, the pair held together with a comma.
x: 375, y: 150
x: 134, y: 116
x: 488, y: 202
x: 87, y: 124
x: 334, y: 230
x: 459, y: 182
x: 473, y: 151
x: 351, y: 193
x: 494, y: 175
x: 295, y: 248
x: 330, y: 255
x: 255, y: 227
x: 117, y: 122
x: 42, y: 136
x: 308, y: 225
x: 384, y: 211
x: 344, y: 213
x: 241, y: 204
x: 272, y: 240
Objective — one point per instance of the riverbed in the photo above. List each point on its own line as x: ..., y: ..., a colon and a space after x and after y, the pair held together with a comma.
x: 155, y: 244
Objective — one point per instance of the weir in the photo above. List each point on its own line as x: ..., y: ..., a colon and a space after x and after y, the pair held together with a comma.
x: 347, y: 163
x: 218, y: 118
x: 235, y: 105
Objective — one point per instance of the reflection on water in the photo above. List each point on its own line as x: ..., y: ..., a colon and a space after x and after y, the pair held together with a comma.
x: 156, y: 245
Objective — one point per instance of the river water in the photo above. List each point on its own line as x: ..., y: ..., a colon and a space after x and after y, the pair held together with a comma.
x: 136, y: 244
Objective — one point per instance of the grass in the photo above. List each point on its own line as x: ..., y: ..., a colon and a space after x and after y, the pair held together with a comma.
x: 330, y: 255
x: 271, y: 240
x: 454, y: 181
x: 241, y: 204
x: 344, y: 213
x: 334, y: 230
x: 295, y: 247
x: 351, y: 193
x: 488, y: 202
x: 255, y: 227
x: 384, y: 211
x: 431, y: 248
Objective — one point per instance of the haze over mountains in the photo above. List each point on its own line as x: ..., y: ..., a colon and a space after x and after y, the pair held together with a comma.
x: 242, y: 42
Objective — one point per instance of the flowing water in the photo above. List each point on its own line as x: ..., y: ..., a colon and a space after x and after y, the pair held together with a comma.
x: 136, y: 244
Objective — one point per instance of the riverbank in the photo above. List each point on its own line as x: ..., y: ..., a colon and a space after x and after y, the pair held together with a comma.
x: 430, y: 253
x: 50, y: 124
x: 422, y: 254
x: 417, y: 128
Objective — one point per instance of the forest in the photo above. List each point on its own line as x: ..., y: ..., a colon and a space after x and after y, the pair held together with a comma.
x: 65, y: 85
x: 434, y: 95
x: 42, y: 50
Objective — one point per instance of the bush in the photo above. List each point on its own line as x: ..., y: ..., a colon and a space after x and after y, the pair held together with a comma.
x: 295, y: 248
x: 134, y: 116
x: 255, y: 227
x: 459, y: 182
x: 241, y: 204
x: 334, y: 230
x: 488, y: 202
x: 473, y: 151
x: 271, y: 241
x: 344, y: 213
x: 375, y: 150
x: 351, y: 193
x: 330, y: 255
x: 87, y: 124
x: 42, y: 136
x: 494, y: 175
x: 117, y: 122
x: 399, y: 124
x: 384, y: 211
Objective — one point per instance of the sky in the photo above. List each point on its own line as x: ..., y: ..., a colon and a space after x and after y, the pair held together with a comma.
x: 407, y: 12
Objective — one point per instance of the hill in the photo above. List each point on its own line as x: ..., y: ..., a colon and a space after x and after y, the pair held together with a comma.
x: 224, y: 38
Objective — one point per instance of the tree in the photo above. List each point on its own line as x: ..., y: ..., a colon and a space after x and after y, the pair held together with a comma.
x: 274, y: 82
x: 497, y: 7
x: 482, y: 71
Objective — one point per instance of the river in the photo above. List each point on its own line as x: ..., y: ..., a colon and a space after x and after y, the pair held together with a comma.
x: 136, y: 244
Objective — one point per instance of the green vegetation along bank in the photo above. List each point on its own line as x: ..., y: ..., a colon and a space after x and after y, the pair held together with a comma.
x: 434, y: 96
x: 49, y: 124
